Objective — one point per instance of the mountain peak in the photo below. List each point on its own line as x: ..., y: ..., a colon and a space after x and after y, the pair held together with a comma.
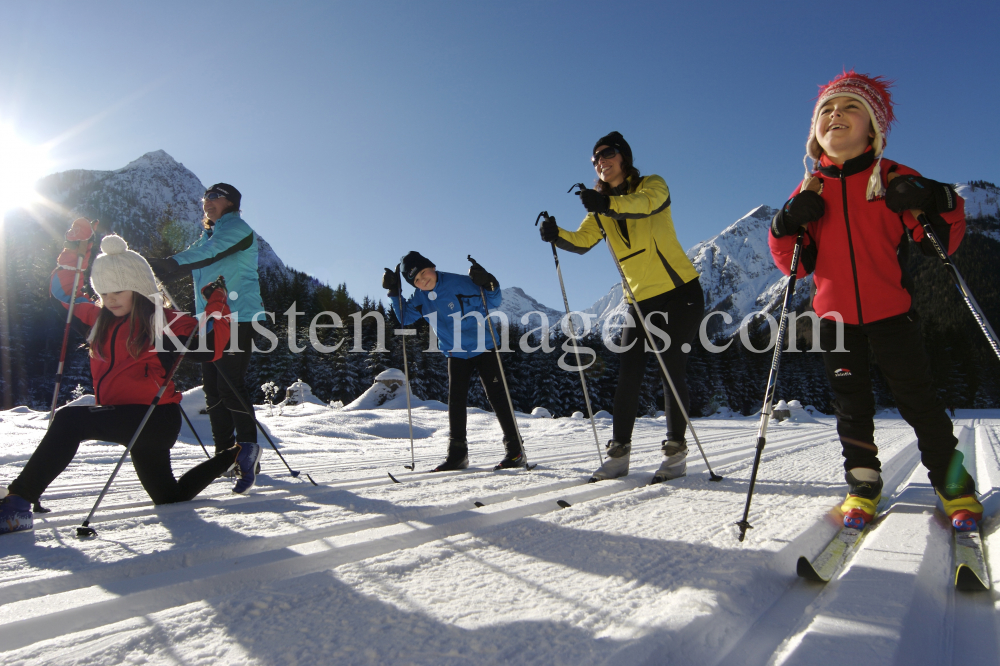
x: 156, y: 158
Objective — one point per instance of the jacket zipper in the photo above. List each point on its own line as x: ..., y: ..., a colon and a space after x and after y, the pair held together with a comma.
x: 97, y: 390
x: 850, y: 247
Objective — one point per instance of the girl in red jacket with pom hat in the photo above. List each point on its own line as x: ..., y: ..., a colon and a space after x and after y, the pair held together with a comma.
x: 855, y: 213
x: 128, y: 371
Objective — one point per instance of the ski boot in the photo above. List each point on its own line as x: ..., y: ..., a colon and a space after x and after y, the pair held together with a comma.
x: 458, y: 458
x: 15, y: 514
x: 617, y: 463
x: 863, y: 495
x: 512, y: 460
x: 246, y: 466
x: 960, y: 503
x: 674, y: 463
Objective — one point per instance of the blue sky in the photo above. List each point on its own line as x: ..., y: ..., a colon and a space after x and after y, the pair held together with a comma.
x: 359, y: 131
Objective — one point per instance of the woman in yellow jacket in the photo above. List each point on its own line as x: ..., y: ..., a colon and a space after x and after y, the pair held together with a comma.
x: 635, y: 213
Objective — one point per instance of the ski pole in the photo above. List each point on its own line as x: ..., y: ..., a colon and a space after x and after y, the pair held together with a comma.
x: 85, y: 530
x: 253, y: 415
x: 814, y: 184
x: 406, y: 372
x: 772, y: 382
x: 69, y: 322
x: 37, y: 507
x: 576, y: 351
x: 503, y: 375
x: 956, y: 277
x: 184, y: 414
x: 642, y: 323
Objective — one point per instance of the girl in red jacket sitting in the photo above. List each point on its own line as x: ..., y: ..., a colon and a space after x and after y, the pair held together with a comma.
x: 855, y: 211
x: 128, y: 372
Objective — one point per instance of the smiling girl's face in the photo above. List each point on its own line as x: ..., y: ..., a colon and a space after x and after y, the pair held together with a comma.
x: 843, y: 128
x: 118, y: 302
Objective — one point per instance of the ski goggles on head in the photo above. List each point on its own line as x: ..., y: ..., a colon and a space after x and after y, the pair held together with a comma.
x: 212, y: 196
x: 605, y: 154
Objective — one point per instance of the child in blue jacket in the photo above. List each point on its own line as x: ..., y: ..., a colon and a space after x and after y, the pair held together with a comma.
x: 444, y: 299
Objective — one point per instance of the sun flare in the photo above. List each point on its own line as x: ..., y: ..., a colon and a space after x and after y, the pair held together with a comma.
x: 21, y: 165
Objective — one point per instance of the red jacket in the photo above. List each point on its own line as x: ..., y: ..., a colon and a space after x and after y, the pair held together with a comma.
x: 121, y: 379
x: 859, y: 248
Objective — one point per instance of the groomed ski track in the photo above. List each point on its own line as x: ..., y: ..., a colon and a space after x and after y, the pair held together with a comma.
x: 362, y: 570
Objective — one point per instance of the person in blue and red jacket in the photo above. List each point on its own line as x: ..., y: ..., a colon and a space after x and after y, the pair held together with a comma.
x: 855, y: 211
x: 446, y: 300
x: 128, y: 372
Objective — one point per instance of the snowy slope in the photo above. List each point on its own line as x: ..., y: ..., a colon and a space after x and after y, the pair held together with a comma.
x: 516, y: 304
x: 359, y: 570
x: 981, y: 200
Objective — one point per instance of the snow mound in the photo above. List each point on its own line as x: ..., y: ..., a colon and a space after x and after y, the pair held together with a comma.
x: 391, y: 375
x: 541, y: 413
x: 300, y: 393
x: 603, y: 414
x: 576, y: 415
x: 83, y: 400
x: 380, y: 396
x: 193, y: 400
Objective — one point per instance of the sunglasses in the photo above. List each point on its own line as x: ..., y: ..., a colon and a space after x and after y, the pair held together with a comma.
x: 606, y: 154
x: 212, y: 196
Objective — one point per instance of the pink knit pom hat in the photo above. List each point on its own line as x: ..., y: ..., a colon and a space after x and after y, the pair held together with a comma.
x: 873, y: 92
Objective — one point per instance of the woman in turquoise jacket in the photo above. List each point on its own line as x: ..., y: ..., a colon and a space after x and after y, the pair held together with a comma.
x: 445, y: 300
x: 227, y: 247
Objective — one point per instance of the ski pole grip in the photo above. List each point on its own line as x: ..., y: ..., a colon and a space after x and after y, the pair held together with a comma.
x: 915, y: 212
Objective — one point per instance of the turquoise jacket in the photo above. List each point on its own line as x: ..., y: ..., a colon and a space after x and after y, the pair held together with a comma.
x: 452, y: 297
x: 228, y: 249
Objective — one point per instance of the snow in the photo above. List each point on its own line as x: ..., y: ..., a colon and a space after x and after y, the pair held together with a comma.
x: 360, y: 570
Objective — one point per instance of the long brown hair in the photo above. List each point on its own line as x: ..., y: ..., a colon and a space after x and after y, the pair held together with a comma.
x: 631, y: 175
x: 140, y: 327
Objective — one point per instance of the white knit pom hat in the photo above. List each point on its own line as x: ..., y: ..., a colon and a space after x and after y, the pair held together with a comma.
x: 118, y: 268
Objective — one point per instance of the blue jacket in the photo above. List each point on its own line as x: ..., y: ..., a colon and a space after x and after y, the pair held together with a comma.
x: 452, y: 297
x: 229, y: 249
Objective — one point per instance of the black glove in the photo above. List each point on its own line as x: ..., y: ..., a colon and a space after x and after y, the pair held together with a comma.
x: 163, y: 267
x: 906, y: 192
x: 805, y: 207
x: 594, y: 201
x: 549, y: 230
x: 481, y: 278
x: 208, y: 289
x: 390, y: 281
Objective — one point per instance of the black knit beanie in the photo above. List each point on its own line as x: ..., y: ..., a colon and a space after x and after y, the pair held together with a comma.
x: 413, y: 263
x: 616, y: 140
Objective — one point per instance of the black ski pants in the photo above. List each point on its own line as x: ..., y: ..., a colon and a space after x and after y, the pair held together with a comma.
x: 678, y: 313
x: 898, y: 348
x: 231, y: 423
x: 150, y: 454
x: 459, y: 374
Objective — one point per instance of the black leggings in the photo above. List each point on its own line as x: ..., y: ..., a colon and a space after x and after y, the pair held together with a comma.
x: 682, y: 309
x: 898, y: 347
x: 459, y: 373
x: 229, y: 418
x: 150, y: 454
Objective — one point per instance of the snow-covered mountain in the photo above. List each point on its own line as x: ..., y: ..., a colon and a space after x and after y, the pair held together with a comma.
x: 516, y: 303
x: 132, y: 201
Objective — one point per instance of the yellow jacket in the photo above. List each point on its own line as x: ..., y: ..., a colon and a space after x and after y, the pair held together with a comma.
x: 653, y: 260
